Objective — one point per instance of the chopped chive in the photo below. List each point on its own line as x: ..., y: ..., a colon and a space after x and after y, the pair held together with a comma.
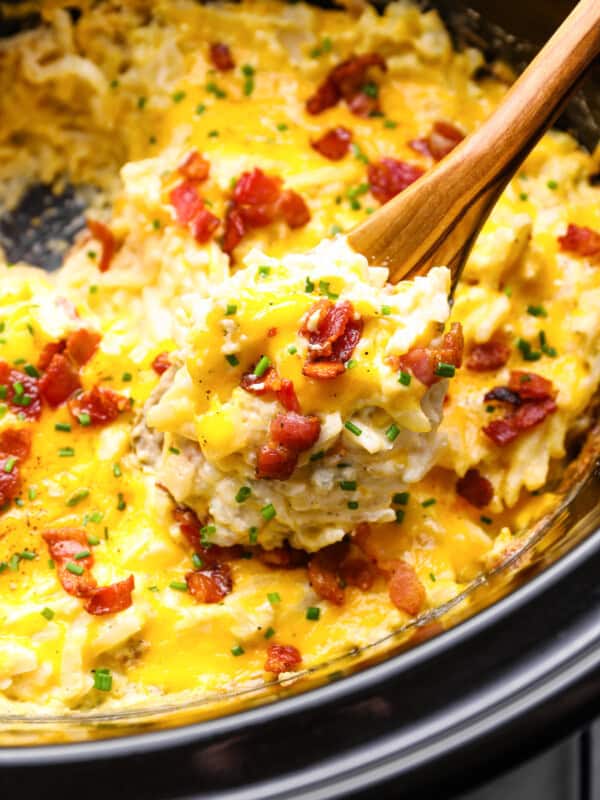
x: 309, y: 286
x: 121, y: 504
x: 490, y: 409
x: 75, y: 569
x: 63, y: 426
x: 156, y: 224
x: 334, y: 230
x: 351, y: 363
x: 432, y: 577
x: 117, y: 470
x: 205, y: 533
x: 237, y: 650
x: 404, y: 378
x: 268, y: 512
x: 317, y: 456
x: 350, y: 426
x: 263, y: 365
x: 253, y: 535
x: 27, y: 555
x: 102, y: 680
x: 352, y: 505
x: 179, y: 586
x: 230, y: 310
x: 292, y: 349
x: 31, y: 493
x: 93, y: 289
x: 523, y: 196
x: 175, y: 451
x: 82, y: 554
x: 197, y: 561
x: 77, y: 497
x: 13, y: 562
x: 47, y: 613
x: 399, y: 512
x: 264, y: 271
x: 269, y: 632
x: 537, y: 311
x: 212, y: 87
x: 281, y: 126
x: 401, y: 498
x: 444, y: 370
x: 386, y: 310
x: 232, y: 360
x: 200, y: 109
x: 66, y: 452
x: 92, y: 540
x: 392, y: 432
x: 84, y: 419
x: 142, y: 102
x: 526, y: 352
x: 243, y: 494
x: 552, y: 185
x: 178, y: 96
x: 19, y: 502
x: 3, y: 410
x: 274, y: 598
x: 313, y: 613
x: 429, y: 502
x: 3, y: 391
x: 486, y: 520
x: 370, y: 89
x: 9, y: 464
x: 358, y: 153
x: 348, y: 486
x: 32, y: 371
x: 18, y: 388
x: 389, y: 123
x: 51, y: 564
x: 126, y: 377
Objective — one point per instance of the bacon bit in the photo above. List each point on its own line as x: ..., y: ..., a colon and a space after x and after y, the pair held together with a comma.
x: 275, y: 462
x: 291, y: 434
x: 346, y: 81
x: 258, y: 200
x: 59, y: 381
x: 110, y: 599
x: 282, y: 658
x: 475, y: 489
x: 282, y: 388
x: 332, y: 332
x: 323, y: 572
x: 195, y: 167
x: 295, y: 431
x: 334, y: 144
x: 51, y: 349
x: 105, y: 236
x: 186, y: 201
x: 63, y: 545
x: 272, y: 332
x: 82, y: 344
x: 293, y: 209
x: 31, y: 389
x: 424, y: 361
x: 14, y: 443
x: 211, y: 555
x: 504, y: 431
x: 362, y: 539
x: 221, y: 58
x: 389, y: 177
x: 443, y: 138
x: 210, y: 585
x: 204, y: 224
x: 161, y: 363
x: 488, y: 356
x: 285, y: 557
x: 580, y: 240
x: 405, y: 588
x: 358, y: 572
x: 102, y: 405
x: 530, y: 386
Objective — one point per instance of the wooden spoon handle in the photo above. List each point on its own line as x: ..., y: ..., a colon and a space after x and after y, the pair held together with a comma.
x: 437, y: 218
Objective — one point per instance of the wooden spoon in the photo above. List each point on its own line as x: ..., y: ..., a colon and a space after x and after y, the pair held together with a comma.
x: 436, y: 220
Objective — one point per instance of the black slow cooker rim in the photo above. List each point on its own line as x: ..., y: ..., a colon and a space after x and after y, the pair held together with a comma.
x: 567, y: 667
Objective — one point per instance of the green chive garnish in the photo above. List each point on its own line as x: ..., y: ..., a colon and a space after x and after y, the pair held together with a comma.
x: 392, y: 432
x: 63, y: 426
x: 47, y: 613
x: 77, y: 497
x: 230, y: 310
x: 102, y: 680
x: 274, y: 598
x: 238, y: 650
x: 348, y: 486
x: 444, y: 370
x: 179, y: 586
x: 401, y: 498
x: 429, y: 502
x: 313, y: 613
x: 243, y: 494
x: 404, y: 378
x: 66, y: 452
x: 232, y: 360
x: 350, y: 426
x: 75, y: 569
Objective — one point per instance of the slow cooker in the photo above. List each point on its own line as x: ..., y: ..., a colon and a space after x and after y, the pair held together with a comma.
x: 516, y: 673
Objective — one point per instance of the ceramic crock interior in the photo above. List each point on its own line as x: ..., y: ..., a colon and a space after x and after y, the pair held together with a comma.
x: 500, y: 30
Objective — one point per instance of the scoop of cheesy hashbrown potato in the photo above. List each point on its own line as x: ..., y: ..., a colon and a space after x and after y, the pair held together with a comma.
x: 157, y: 390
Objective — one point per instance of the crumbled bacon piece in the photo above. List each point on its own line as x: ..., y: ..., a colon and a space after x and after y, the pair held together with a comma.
x: 530, y: 386
x: 282, y: 388
x: 161, y: 363
x: 285, y: 557
x: 323, y: 572
x: 82, y: 344
x: 259, y: 199
x: 333, y: 331
x: 25, y: 398
x: 110, y: 599
x: 186, y: 201
x: 389, y: 177
x: 220, y: 56
x: 105, y: 236
x: 63, y: 545
x: 334, y: 144
x: 204, y: 224
x: 101, y: 405
x: 210, y: 585
x: 405, y: 588
x: 580, y: 240
x: 475, y: 489
x: 275, y: 462
x: 211, y: 554
x: 488, y: 356
x: 424, y: 361
x: 59, y: 381
x: 194, y: 167
x: 504, y: 431
x: 15, y: 443
x: 290, y: 433
x: 348, y: 81
x: 282, y: 658
x: 443, y: 138
x: 48, y: 352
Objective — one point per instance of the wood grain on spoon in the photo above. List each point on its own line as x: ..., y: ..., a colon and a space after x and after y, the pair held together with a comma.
x: 436, y: 219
